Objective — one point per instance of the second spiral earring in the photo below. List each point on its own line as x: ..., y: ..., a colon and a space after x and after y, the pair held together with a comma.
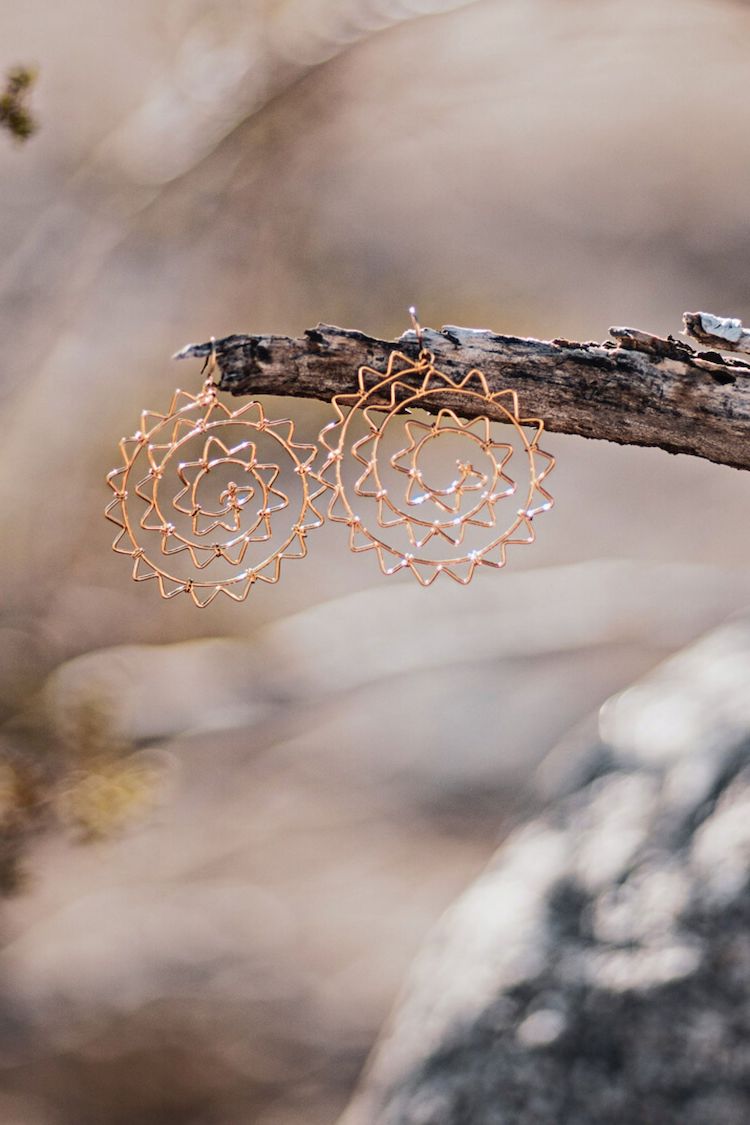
x: 434, y: 474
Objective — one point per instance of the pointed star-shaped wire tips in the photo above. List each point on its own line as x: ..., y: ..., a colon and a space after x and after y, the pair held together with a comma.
x: 242, y: 506
x: 428, y: 513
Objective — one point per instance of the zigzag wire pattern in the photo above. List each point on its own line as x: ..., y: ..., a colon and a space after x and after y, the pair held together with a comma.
x: 147, y: 455
x: 381, y: 399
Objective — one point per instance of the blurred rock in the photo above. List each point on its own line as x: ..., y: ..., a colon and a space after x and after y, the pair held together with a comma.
x: 600, y: 969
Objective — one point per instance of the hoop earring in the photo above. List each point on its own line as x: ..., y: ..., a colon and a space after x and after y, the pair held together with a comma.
x: 459, y: 518
x: 208, y: 538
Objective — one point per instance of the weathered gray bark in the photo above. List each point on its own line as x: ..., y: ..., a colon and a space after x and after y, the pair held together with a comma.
x: 641, y: 390
x: 599, y: 971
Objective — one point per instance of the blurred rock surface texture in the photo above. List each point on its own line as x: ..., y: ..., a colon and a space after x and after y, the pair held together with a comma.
x: 600, y: 969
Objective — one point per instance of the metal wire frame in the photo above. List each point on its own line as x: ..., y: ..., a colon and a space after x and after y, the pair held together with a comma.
x: 384, y: 397
x: 148, y: 454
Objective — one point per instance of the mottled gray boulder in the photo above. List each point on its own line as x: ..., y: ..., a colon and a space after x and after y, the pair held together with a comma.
x: 599, y: 971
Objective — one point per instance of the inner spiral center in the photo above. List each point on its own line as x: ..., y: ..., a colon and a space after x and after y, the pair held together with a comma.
x: 430, y: 462
x: 224, y: 488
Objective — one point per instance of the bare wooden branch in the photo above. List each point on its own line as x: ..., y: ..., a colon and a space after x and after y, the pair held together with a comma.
x: 636, y: 389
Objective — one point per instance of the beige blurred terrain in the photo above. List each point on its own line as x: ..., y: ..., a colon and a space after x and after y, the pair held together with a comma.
x: 224, y: 834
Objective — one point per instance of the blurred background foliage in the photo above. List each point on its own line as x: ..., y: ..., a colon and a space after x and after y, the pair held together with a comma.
x: 15, y: 115
x: 224, y: 834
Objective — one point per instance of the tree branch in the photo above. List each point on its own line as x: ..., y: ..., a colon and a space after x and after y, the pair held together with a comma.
x: 638, y: 389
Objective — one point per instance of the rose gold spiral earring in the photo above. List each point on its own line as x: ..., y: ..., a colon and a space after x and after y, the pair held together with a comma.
x: 433, y: 495
x: 198, y: 497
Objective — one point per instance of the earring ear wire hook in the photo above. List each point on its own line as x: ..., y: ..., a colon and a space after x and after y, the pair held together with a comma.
x: 210, y: 366
x: 417, y: 327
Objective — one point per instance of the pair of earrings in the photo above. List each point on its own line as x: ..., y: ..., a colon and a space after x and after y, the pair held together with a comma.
x: 203, y: 508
